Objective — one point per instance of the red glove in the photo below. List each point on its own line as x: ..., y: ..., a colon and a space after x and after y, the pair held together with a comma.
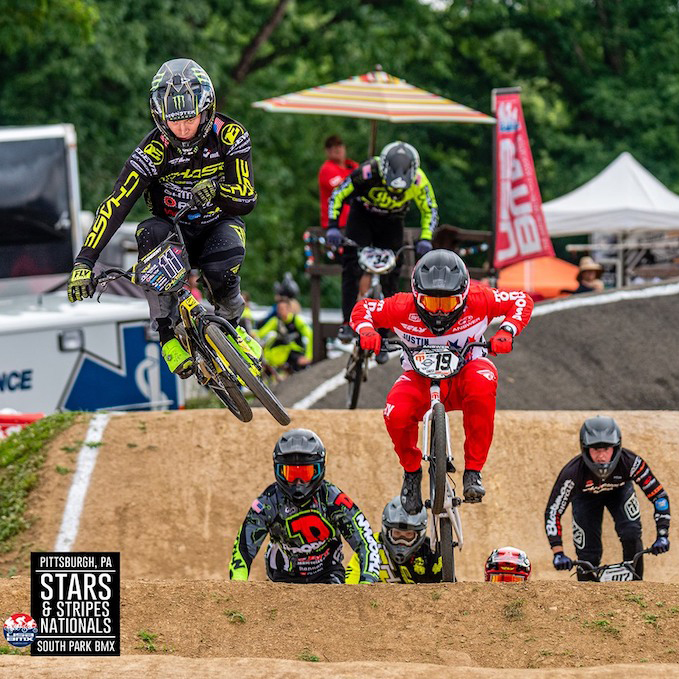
x: 501, y: 342
x: 370, y: 340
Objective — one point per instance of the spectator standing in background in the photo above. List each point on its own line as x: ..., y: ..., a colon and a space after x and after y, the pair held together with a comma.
x: 589, y: 276
x: 335, y: 168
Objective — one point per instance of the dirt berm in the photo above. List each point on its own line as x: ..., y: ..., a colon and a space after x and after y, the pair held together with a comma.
x: 170, y: 489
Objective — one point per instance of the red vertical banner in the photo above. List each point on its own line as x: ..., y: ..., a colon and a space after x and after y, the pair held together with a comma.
x: 520, y: 231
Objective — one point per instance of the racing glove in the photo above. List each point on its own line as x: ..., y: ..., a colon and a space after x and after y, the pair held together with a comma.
x: 562, y: 562
x: 333, y: 236
x: 370, y: 340
x: 422, y: 247
x: 80, y: 285
x: 661, y: 545
x: 204, y: 193
x: 502, y: 342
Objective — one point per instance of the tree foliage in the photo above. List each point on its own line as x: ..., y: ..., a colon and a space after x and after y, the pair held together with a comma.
x: 598, y: 77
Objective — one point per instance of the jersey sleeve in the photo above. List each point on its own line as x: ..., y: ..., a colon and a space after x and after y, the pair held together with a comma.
x: 353, y: 573
x: 337, y: 198
x: 251, y: 535
x: 140, y: 169
x: 375, y: 313
x: 426, y: 203
x: 559, y: 500
x: 236, y: 193
x: 355, y: 528
x: 514, y: 307
x: 652, y: 488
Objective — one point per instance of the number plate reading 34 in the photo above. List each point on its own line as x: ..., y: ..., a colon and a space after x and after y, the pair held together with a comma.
x: 436, y: 364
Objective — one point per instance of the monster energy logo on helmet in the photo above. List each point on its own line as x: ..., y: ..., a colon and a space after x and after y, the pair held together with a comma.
x: 180, y: 90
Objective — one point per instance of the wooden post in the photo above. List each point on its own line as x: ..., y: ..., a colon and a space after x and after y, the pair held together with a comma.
x: 319, y: 340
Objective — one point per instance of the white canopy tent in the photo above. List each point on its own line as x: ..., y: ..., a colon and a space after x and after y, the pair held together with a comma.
x: 623, y: 199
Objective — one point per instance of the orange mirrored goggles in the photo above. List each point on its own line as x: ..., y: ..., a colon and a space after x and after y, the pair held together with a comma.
x: 506, y: 577
x: 440, y: 305
x: 297, y: 472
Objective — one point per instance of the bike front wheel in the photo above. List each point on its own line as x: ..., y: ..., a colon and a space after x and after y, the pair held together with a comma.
x: 447, y: 550
x: 354, y: 375
x: 231, y: 396
x: 438, y: 458
x: 217, y: 339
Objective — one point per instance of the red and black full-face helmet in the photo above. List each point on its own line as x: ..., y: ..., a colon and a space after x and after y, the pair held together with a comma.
x: 299, y: 464
x: 507, y: 564
x: 440, y: 286
x: 179, y: 91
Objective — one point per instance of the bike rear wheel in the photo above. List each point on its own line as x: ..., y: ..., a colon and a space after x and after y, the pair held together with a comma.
x: 447, y: 550
x: 354, y: 375
x: 216, y: 337
x: 438, y: 458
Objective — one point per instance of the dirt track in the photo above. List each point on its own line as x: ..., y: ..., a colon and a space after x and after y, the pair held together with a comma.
x: 169, y: 491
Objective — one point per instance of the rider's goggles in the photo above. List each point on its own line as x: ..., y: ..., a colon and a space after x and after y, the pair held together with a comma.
x: 402, y: 537
x: 440, y: 305
x: 506, y: 577
x: 298, y: 472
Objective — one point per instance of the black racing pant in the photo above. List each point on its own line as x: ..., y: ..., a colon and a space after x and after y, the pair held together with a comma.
x: 368, y: 228
x: 217, y: 250
x: 588, y: 512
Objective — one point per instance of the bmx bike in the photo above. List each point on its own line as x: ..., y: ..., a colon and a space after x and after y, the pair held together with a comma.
x: 437, y: 363
x: 222, y: 360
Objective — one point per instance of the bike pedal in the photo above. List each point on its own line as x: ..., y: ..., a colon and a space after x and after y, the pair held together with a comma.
x: 472, y: 500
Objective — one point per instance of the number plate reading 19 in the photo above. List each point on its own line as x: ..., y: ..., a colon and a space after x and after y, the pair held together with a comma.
x: 436, y: 364
x: 616, y: 573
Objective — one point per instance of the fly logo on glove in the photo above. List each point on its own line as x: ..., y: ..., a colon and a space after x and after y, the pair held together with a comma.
x: 80, y: 283
x: 502, y: 342
x: 370, y: 340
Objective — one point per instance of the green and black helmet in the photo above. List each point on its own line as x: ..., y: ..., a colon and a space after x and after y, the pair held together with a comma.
x: 181, y: 90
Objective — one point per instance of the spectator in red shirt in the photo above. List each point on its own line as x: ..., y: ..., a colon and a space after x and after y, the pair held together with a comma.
x: 335, y: 168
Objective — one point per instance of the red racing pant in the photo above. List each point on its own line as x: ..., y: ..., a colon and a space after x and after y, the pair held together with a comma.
x: 472, y: 391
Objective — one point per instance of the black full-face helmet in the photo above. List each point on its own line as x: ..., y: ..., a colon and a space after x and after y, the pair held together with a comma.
x: 399, y: 163
x: 181, y: 90
x: 299, y: 464
x: 601, y: 432
x: 440, y: 285
x: 402, y: 533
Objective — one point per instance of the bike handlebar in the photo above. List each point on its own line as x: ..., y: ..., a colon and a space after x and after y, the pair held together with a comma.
x: 393, y: 344
x: 587, y: 567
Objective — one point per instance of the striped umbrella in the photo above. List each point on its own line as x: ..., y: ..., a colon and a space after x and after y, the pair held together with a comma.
x: 375, y: 96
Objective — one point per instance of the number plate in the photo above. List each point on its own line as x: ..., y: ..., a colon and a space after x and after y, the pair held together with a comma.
x: 162, y: 269
x: 616, y: 573
x: 436, y: 364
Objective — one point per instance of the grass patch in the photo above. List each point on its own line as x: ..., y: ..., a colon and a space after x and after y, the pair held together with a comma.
x: 235, y: 617
x: 307, y: 656
x: 603, y: 626
x: 373, y: 603
x: 148, y: 640
x: 21, y: 457
x: 208, y: 400
x: 637, y: 599
x: 514, y: 610
x: 273, y: 614
x: 9, y: 650
x: 62, y: 470
x: 651, y: 620
x: 132, y: 445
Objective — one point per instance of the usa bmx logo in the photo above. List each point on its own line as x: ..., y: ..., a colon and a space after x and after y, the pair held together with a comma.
x: 20, y: 629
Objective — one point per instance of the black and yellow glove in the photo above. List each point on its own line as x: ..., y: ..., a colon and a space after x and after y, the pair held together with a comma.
x: 80, y: 283
x: 204, y: 193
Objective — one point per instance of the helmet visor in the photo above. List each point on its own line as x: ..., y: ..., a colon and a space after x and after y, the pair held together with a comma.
x: 406, y: 538
x: 438, y: 305
x: 506, y: 577
x: 298, y: 472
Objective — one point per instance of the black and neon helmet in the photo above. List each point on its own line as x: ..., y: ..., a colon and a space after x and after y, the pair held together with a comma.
x: 601, y: 432
x: 440, y: 284
x: 402, y: 533
x: 299, y: 464
x: 399, y: 163
x: 181, y: 90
